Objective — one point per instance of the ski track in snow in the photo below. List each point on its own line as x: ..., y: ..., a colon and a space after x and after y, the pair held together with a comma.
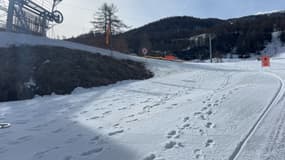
x: 267, y: 142
x: 274, y: 102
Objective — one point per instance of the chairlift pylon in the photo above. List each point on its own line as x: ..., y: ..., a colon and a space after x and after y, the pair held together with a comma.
x: 30, y: 17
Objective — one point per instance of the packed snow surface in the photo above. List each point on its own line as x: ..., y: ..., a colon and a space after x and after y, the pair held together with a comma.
x: 187, y: 111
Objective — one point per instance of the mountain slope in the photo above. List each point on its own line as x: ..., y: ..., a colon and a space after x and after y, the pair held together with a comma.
x: 180, y: 36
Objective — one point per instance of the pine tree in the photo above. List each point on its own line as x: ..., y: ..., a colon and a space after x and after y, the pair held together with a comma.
x: 106, y: 16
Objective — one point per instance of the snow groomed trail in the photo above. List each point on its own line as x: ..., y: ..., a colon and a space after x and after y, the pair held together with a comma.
x: 279, y: 96
x: 187, y: 111
x: 267, y: 143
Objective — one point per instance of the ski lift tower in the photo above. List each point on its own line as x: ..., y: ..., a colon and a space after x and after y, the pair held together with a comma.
x: 3, y: 14
x: 28, y: 16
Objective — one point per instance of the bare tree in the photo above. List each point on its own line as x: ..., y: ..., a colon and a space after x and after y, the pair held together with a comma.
x: 106, y: 17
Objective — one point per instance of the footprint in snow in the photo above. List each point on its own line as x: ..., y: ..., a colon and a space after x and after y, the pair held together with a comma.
x: 185, y: 126
x: 83, y: 112
x: 147, y: 108
x: 116, y: 125
x: 186, y: 119
x: 197, y: 151
x: 179, y: 144
x: 198, y: 154
x: 202, y: 132
x: 57, y: 131
x: 150, y: 157
x: 100, y: 109
x: 170, y: 145
x: 107, y: 112
x: 177, y: 136
x: 171, y: 134
x: 210, y: 125
x: 41, y: 154
x: 100, y: 127
x: 94, y: 139
x: 210, y: 143
x: 203, y: 117
x: 94, y: 118
x: 197, y: 113
x: 115, y: 132
x: 123, y: 108
x: 210, y: 112
x: 130, y: 116
x: 146, y: 101
x: 93, y: 151
x: 133, y: 120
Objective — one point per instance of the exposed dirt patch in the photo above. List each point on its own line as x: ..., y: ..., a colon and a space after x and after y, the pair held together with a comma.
x: 27, y: 71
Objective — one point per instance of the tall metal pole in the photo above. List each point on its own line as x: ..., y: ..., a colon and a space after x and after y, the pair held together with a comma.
x: 111, y: 45
x: 210, y: 48
x: 110, y: 39
x: 44, y: 25
x: 10, y: 16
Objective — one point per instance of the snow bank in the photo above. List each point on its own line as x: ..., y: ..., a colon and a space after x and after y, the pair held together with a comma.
x: 16, y: 39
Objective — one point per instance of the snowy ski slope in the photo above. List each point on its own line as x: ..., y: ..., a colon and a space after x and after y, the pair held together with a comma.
x: 187, y: 111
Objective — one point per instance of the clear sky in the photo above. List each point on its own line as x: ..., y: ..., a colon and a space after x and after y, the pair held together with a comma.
x: 135, y: 13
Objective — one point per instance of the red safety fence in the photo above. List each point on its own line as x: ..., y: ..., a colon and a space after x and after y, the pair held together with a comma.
x: 170, y: 58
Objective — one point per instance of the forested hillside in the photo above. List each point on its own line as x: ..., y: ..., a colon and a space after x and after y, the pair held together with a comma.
x: 188, y: 37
